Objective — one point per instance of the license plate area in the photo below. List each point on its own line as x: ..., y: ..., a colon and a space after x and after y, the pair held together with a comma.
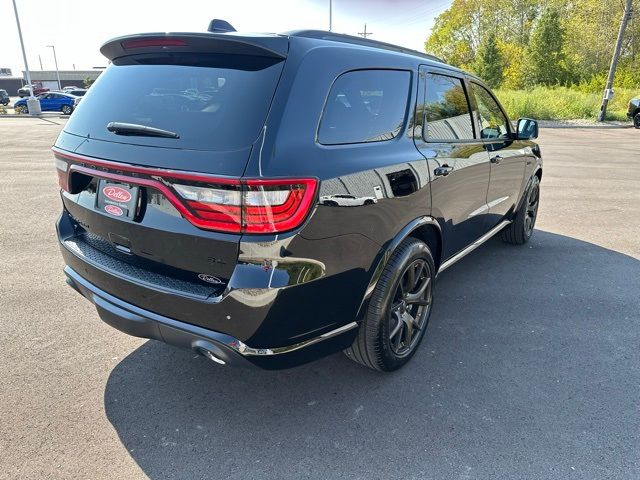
x: 117, y: 199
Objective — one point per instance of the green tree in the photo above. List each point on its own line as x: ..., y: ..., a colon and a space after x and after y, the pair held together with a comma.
x: 488, y: 63
x: 456, y: 33
x: 545, y: 54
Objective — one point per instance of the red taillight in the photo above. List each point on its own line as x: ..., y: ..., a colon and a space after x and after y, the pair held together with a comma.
x: 252, y: 205
x: 153, y: 42
x: 62, y: 168
x: 208, y: 202
x: 271, y: 206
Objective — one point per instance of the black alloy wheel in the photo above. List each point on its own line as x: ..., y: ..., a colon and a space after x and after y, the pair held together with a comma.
x: 533, y: 199
x: 398, y: 311
x: 410, y: 307
x: 636, y: 120
x: 521, y: 228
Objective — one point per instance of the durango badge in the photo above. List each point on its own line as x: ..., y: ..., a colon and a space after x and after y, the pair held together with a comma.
x: 116, y: 193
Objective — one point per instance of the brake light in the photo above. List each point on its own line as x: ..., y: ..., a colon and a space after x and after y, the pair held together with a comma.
x: 62, y: 168
x: 208, y: 202
x: 250, y: 206
x: 153, y: 42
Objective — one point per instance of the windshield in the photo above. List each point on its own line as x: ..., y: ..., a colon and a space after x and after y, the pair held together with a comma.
x: 212, y: 101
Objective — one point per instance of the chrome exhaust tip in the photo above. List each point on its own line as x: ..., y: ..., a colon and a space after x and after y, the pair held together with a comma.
x: 211, y: 356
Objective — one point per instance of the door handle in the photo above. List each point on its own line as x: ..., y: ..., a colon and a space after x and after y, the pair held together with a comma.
x: 497, y: 159
x: 443, y: 171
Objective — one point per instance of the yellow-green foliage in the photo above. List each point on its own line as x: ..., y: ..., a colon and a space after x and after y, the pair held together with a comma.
x: 562, y: 103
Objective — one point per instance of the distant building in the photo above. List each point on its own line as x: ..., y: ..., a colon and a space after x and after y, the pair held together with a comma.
x: 49, y: 80
x: 5, y: 72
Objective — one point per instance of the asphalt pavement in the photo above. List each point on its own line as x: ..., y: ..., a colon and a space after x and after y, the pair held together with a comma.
x: 530, y: 368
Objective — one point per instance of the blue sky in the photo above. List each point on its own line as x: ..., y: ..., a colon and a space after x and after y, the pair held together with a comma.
x: 78, y: 29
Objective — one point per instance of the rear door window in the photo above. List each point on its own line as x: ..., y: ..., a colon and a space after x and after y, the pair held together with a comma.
x: 365, y: 106
x: 212, y: 101
x: 446, y: 110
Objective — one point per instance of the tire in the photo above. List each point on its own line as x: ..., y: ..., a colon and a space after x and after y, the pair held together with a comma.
x: 67, y: 109
x: 22, y: 109
x: 636, y: 120
x: 521, y: 228
x: 393, y: 326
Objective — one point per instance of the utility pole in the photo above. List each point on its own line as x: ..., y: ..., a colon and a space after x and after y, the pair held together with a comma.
x: 40, y: 60
x: 56, y: 62
x: 365, y: 34
x: 608, y: 90
x: 330, y: 15
x: 32, y: 102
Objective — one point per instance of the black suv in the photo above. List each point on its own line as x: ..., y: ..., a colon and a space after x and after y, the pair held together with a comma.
x: 270, y: 199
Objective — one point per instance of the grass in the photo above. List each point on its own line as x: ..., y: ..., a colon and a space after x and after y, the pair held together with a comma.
x: 562, y: 103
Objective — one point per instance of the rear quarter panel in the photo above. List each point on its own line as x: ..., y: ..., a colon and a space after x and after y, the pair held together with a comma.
x: 348, y: 239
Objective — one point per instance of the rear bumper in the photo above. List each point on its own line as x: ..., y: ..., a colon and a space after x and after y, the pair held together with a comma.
x: 219, y: 347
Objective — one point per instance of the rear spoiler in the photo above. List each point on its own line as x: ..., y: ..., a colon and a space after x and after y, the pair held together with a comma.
x: 274, y: 46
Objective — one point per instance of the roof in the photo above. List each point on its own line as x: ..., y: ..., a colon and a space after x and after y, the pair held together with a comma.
x: 339, y: 37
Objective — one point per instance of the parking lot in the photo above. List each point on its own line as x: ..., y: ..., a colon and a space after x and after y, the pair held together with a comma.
x: 530, y: 367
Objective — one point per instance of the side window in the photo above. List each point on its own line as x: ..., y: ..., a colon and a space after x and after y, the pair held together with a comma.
x: 493, y: 123
x: 446, y: 110
x: 365, y: 106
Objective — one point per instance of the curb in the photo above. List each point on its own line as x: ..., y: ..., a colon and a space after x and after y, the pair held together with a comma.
x: 41, y: 117
x: 590, y: 126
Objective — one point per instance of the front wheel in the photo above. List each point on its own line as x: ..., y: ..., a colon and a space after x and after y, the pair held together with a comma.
x: 21, y: 109
x: 636, y: 120
x: 398, y: 311
x: 67, y: 109
x: 521, y: 228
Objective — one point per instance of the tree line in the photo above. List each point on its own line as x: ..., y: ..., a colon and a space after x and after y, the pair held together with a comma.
x: 516, y: 44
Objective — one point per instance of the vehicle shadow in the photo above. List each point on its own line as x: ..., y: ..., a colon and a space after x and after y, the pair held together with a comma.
x: 530, y: 369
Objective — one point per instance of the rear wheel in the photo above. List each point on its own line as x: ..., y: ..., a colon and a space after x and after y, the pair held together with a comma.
x: 398, y: 311
x: 66, y: 109
x: 636, y: 120
x: 521, y: 228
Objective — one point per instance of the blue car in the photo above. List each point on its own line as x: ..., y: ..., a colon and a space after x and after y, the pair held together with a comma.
x: 50, y: 102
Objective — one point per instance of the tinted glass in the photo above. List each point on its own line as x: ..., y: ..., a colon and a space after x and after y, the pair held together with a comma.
x: 365, y: 106
x: 212, y: 101
x: 493, y: 123
x: 447, y: 109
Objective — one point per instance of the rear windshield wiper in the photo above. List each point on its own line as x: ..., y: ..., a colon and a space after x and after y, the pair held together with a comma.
x: 120, y: 128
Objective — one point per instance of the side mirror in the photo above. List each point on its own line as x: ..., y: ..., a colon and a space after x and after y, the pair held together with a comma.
x: 527, y: 129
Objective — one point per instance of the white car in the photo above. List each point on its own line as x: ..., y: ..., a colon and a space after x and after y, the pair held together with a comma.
x: 347, y: 200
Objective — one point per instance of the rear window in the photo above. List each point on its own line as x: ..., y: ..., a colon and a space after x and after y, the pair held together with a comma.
x: 365, y: 106
x: 212, y: 101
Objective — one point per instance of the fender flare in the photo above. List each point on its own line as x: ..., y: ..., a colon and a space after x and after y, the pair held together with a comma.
x: 386, y: 255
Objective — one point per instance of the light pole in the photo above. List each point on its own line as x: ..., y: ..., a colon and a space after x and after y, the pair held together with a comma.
x: 33, y: 105
x: 330, y: 15
x: 55, y: 60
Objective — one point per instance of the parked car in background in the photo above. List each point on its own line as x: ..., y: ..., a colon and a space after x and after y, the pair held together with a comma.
x: 4, y: 97
x: 185, y: 219
x: 78, y: 92
x: 50, y: 102
x: 37, y: 90
x: 633, y: 112
x: 70, y: 87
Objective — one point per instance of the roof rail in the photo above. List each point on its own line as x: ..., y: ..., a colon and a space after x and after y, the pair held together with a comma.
x: 340, y: 37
